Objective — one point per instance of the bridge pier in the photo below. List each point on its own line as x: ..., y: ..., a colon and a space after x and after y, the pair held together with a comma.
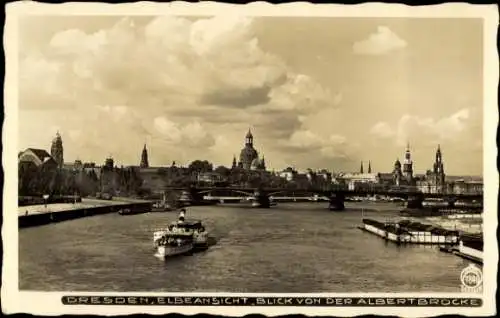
x: 415, y: 202
x: 336, y: 202
x: 262, y: 199
x: 451, y: 201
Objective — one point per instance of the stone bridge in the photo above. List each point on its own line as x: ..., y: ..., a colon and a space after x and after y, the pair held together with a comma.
x: 336, y: 196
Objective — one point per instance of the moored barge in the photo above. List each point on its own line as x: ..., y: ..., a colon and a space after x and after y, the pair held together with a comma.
x: 406, y: 231
x: 471, y: 247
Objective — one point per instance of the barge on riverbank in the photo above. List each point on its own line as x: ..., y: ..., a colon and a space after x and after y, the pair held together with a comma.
x: 407, y: 232
x: 470, y: 247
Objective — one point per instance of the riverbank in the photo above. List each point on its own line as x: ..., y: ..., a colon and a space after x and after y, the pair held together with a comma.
x: 34, y: 215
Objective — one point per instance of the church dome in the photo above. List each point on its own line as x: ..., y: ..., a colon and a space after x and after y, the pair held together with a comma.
x: 247, y: 156
x: 256, y: 164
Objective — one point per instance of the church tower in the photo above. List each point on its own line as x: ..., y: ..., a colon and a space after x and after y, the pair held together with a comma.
x: 361, y: 170
x: 249, y: 139
x: 144, y: 158
x: 408, y: 165
x: 57, y: 151
x: 438, y: 172
x: 396, y: 173
x: 369, y: 167
x: 248, y: 154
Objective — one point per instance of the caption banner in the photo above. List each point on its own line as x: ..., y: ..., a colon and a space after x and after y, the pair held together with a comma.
x: 272, y: 301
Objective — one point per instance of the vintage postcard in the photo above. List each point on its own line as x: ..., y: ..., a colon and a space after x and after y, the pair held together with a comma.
x: 325, y: 160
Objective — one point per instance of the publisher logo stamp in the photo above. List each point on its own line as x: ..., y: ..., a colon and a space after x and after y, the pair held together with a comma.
x: 472, y: 279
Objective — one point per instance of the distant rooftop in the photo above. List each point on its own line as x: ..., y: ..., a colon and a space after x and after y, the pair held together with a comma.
x: 464, y: 178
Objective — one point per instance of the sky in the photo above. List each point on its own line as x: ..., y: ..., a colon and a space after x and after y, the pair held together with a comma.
x: 316, y: 92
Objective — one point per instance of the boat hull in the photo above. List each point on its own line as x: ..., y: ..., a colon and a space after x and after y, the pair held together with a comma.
x: 200, y: 239
x: 168, y: 251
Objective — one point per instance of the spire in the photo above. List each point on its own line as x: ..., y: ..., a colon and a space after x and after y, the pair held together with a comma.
x: 234, y: 162
x: 369, y: 167
x: 144, y: 158
x: 249, y: 138
x: 361, y: 169
x: 249, y: 133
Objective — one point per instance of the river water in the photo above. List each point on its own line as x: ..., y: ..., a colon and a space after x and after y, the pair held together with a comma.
x: 290, y: 248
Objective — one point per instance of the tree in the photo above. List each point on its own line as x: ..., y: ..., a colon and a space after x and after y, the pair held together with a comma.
x: 223, y: 171
x: 87, y: 182
x: 162, y: 172
x: 238, y: 177
x: 199, y: 166
x: 27, y: 172
x: 255, y: 181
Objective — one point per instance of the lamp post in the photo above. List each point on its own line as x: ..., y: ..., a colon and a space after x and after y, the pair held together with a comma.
x: 45, y: 198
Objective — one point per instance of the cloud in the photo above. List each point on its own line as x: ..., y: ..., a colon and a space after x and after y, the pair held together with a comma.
x: 382, y: 130
x: 306, y: 141
x: 243, y: 97
x: 191, y: 135
x: 381, y: 42
x: 410, y: 127
x: 117, y: 111
x: 172, y: 81
x: 308, y: 149
x: 74, y: 134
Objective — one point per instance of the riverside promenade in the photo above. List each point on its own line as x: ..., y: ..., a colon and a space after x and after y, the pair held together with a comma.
x: 33, y: 215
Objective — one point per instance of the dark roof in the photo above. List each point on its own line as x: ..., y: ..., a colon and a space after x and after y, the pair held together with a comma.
x: 40, y: 153
x: 385, y: 176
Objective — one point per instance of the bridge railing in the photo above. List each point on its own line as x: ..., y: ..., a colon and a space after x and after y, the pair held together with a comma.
x: 370, y: 190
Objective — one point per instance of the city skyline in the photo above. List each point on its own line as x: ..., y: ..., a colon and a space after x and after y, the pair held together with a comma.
x: 190, y: 89
x: 364, y: 168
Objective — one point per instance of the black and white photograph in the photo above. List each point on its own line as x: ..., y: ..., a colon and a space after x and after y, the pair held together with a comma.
x: 225, y: 153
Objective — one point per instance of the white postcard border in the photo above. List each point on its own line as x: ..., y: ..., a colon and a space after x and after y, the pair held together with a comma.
x: 45, y: 303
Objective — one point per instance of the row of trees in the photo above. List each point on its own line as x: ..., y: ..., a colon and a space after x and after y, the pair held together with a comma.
x: 122, y: 181
x: 38, y: 181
